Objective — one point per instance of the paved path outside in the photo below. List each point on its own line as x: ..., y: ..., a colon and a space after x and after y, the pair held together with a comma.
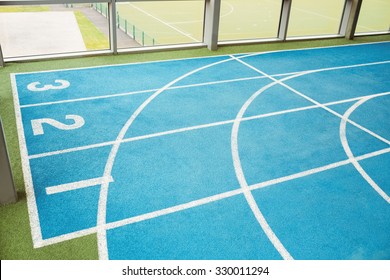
x: 57, y: 31
x: 31, y: 33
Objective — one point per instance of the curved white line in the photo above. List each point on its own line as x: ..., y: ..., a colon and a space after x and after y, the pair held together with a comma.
x: 165, y: 23
x: 102, y: 206
x: 351, y: 157
x: 228, y: 12
x: 202, y: 201
x: 236, y: 158
x: 243, y: 183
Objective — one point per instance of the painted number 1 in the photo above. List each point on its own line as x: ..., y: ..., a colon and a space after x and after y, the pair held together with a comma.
x: 37, y: 124
x: 59, y: 84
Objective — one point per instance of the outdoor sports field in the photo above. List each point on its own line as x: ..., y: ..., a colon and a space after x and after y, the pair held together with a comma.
x: 176, y: 22
x: 276, y: 155
x: 170, y: 22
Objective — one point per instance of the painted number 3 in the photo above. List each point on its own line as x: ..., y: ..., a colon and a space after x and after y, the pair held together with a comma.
x: 59, y: 84
x: 37, y: 124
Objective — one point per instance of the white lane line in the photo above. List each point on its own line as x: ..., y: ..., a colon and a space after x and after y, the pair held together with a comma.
x: 70, y: 150
x: 165, y: 23
x: 206, y: 200
x: 316, y: 170
x: 77, y: 185
x: 143, y: 91
x: 149, y: 91
x: 202, y: 84
x: 202, y: 126
x: 85, y: 98
x: 351, y: 157
x: 65, y: 237
x: 173, y: 209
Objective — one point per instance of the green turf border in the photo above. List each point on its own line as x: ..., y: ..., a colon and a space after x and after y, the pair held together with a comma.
x: 15, y: 236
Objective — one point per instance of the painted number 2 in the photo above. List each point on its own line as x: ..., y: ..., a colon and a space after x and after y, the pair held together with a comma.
x: 37, y: 124
x: 59, y: 84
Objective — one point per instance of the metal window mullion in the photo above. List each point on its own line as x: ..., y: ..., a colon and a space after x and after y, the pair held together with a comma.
x: 352, y: 18
x: 211, y: 23
x: 284, y: 19
x: 345, y: 17
x: 1, y: 58
x: 113, y: 26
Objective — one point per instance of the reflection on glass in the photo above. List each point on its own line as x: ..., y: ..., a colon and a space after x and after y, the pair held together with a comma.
x: 315, y: 17
x: 159, y: 23
x: 249, y: 19
x: 374, y: 16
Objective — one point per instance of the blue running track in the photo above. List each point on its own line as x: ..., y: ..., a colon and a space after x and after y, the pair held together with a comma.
x: 278, y: 155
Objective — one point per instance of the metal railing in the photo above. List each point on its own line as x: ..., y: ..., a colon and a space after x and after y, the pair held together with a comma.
x: 129, y: 28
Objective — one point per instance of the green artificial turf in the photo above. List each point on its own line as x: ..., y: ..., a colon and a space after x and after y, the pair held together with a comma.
x: 15, y: 237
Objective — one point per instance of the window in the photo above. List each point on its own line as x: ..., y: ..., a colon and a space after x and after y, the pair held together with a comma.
x: 374, y: 16
x: 153, y: 23
x: 249, y: 19
x: 315, y: 17
x: 63, y: 29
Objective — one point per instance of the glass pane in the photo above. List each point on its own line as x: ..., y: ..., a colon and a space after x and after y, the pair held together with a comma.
x: 315, y: 17
x: 249, y: 19
x: 51, y: 29
x: 374, y: 16
x: 159, y: 23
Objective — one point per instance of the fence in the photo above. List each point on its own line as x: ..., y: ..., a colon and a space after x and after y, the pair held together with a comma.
x: 126, y: 26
